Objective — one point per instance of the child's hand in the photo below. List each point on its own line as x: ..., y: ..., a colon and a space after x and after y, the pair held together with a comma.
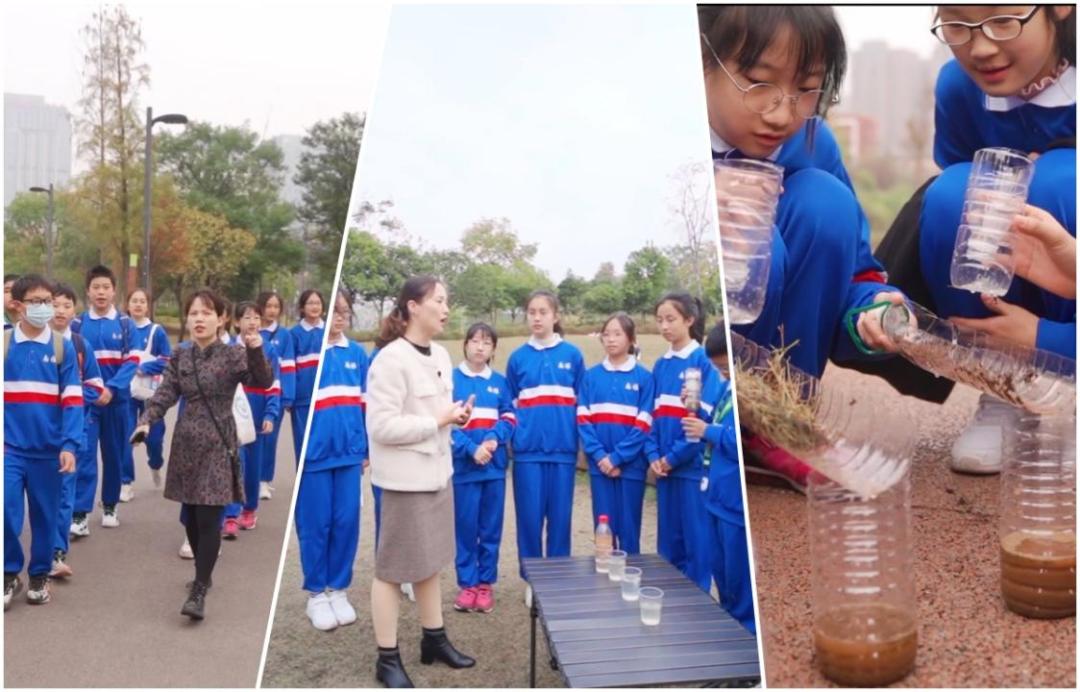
x: 1011, y: 322
x: 253, y: 340
x: 482, y: 455
x: 67, y: 462
x: 869, y: 325
x: 490, y: 445
x: 615, y: 472
x: 267, y: 427
x: 1044, y: 253
x: 693, y: 427
x: 104, y: 398
x: 605, y: 466
x: 658, y: 468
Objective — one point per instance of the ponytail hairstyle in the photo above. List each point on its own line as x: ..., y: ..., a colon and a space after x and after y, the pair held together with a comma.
x: 626, y: 323
x: 481, y: 328
x: 304, y: 299
x: 690, y: 308
x: 553, y: 301
x: 415, y: 289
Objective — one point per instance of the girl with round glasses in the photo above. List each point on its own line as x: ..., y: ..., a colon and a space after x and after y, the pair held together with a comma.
x: 1012, y: 84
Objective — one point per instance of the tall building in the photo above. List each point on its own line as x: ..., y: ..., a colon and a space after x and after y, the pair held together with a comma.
x: 37, y: 144
x: 895, y: 88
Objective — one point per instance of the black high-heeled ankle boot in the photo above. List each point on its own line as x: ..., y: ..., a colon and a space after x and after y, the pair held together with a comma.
x: 390, y: 671
x: 435, y: 646
x: 195, y: 605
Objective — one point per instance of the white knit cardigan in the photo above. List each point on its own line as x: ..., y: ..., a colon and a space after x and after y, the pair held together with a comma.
x: 406, y: 393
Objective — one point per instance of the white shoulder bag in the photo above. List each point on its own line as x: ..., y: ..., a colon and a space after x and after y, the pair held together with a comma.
x: 144, y: 386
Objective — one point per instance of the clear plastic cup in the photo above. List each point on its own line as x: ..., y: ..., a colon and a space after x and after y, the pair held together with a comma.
x: 616, y: 565
x: 996, y: 192
x: 651, y: 600
x: 631, y: 582
x: 747, y: 193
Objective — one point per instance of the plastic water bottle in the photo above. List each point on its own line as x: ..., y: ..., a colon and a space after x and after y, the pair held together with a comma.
x: 605, y: 542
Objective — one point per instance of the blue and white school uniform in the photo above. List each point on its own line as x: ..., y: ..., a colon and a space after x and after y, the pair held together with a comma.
x: 682, y: 519
x: 265, y: 407
x: 822, y: 264
x: 480, y: 489
x: 93, y: 386
x: 110, y: 336
x: 307, y: 344
x: 614, y: 421
x: 727, y: 522
x: 43, y: 415
x: 282, y: 341
x: 545, y: 378
x: 141, y: 331
x: 329, y: 499
x: 966, y: 120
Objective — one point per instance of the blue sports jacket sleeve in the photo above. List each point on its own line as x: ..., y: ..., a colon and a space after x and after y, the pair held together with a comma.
x: 631, y: 446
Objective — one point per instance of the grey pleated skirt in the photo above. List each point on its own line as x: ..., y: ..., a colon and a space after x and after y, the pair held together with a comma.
x: 416, y: 535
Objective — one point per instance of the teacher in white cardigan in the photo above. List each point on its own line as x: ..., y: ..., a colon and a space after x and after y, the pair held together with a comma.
x: 410, y: 411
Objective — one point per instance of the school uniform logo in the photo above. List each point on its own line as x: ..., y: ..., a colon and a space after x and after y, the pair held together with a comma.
x: 350, y: 366
x: 48, y: 359
x: 633, y: 386
x: 493, y: 390
x: 563, y: 365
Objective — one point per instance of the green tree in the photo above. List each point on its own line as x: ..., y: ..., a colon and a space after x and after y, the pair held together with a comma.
x: 522, y: 279
x: 228, y: 171
x: 605, y: 274
x: 571, y: 291
x: 376, y: 270
x: 603, y: 298
x: 325, y: 172
x: 495, y: 241
x: 482, y: 290
x: 646, y: 275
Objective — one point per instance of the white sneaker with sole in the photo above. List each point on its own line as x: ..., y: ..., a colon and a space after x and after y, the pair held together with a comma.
x: 320, y: 613
x: 342, y: 609
x: 407, y: 591
x: 109, y: 519
x: 978, y: 449
x: 264, y: 491
x: 186, y: 552
x: 80, y: 527
x: 127, y: 493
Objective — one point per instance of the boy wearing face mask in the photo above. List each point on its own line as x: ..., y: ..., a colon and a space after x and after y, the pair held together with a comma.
x: 43, y: 428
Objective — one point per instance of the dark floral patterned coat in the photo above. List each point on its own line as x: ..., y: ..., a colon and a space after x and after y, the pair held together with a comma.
x: 202, y: 471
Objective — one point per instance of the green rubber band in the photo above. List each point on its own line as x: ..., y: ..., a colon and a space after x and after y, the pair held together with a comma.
x: 854, y: 333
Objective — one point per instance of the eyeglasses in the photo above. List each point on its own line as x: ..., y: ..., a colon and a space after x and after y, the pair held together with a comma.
x: 1003, y: 27
x: 37, y: 301
x: 762, y: 97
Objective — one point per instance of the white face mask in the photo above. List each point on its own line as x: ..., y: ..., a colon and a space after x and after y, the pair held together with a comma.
x: 40, y: 315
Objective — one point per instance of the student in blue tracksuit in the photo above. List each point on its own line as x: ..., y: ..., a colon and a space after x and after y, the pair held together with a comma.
x: 329, y: 499
x: 152, y: 342
x: 545, y: 375
x: 682, y: 520
x: 110, y: 335
x: 480, y: 470
x: 821, y: 261
x: 271, y: 305
x: 43, y: 428
x: 64, y: 302
x: 265, y: 406
x: 307, y: 337
x: 723, y: 492
x: 1014, y: 87
x: 614, y: 421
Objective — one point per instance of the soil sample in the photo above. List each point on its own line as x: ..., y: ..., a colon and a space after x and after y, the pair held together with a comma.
x: 865, y: 645
x: 1038, y: 574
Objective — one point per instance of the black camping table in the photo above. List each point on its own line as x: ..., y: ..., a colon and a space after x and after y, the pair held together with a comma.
x: 596, y: 639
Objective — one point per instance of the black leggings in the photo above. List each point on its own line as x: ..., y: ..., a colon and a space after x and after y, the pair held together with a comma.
x: 203, y: 526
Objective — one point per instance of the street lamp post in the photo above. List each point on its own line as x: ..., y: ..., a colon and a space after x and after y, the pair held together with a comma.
x: 148, y: 175
x: 48, y: 229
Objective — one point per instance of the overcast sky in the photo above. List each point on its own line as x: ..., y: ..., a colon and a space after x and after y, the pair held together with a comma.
x: 279, y: 66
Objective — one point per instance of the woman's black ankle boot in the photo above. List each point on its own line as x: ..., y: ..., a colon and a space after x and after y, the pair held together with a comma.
x: 389, y: 670
x: 195, y: 605
x: 436, y: 647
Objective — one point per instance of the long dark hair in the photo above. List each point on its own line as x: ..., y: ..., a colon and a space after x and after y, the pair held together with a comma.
x: 304, y: 299
x: 690, y: 308
x: 553, y: 301
x: 1064, y: 34
x: 480, y: 328
x: 263, y: 298
x: 415, y: 288
x: 743, y: 32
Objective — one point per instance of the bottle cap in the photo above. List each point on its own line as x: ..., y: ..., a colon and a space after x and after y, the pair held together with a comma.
x: 603, y: 519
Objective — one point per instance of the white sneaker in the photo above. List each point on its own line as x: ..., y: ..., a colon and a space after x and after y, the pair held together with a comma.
x: 342, y: 609
x: 320, y: 613
x: 80, y: 527
x: 407, y: 591
x: 265, y: 492
x: 156, y: 475
x: 528, y: 596
x: 109, y: 519
x: 978, y: 449
x: 127, y: 493
x: 186, y: 552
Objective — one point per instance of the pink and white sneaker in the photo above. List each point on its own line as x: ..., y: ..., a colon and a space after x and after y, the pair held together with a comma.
x: 248, y: 520
x: 231, y: 530
x: 485, y: 599
x: 466, y: 600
